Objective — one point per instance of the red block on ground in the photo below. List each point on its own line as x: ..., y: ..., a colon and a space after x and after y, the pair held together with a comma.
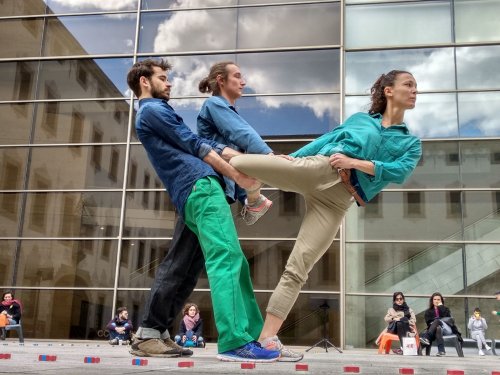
x: 495, y: 373
x: 454, y: 372
x: 4, y: 355
x: 92, y: 360
x: 185, y: 364
x: 406, y: 371
x: 351, y: 369
x: 248, y: 365
x: 301, y: 367
x: 139, y: 362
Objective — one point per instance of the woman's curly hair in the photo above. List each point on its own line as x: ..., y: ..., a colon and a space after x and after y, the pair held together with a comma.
x: 378, y: 99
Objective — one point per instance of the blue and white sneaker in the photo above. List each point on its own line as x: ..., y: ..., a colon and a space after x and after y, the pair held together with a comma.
x: 251, y: 352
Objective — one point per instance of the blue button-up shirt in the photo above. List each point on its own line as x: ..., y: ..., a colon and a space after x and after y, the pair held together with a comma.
x: 174, y: 150
x: 393, y: 150
x: 219, y: 121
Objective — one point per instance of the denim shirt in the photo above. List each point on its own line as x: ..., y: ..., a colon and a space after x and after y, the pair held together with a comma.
x: 219, y: 121
x: 393, y: 150
x: 174, y: 150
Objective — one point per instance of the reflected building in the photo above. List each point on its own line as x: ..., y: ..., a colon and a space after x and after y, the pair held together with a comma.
x: 84, y: 220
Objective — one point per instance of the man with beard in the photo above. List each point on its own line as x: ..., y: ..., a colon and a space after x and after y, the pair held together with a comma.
x: 188, y: 165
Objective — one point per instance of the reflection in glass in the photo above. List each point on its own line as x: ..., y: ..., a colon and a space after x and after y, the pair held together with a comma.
x: 482, y: 216
x: 67, y: 263
x: 24, y: 36
x: 438, y: 168
x: 477, y: 113
x: 64, y: 6
x: 477, y: 67
x: 173, y: 31
x: 75, y: 122
x: 434, y: 116
x: 398, y: 223
x: 12, y: 167
x: 366, y: 320
x: 22, y: 8
x: 319, y: 25
x: 387, y: 267
x: 92, y: 78
x: 480, y: 162
x: 430, y: 22
x: 483, y: 270
x: 183, y: 4
x: 7, y: 249
x: 18, y: 117
x: 432, y: 68
x: 10, y: 204
x: 476, y: 21
x: 72, y: 167
x: 83, y: 35
x: 85, y: 313
x: 17, y: 80
x: 81, y: 214
x: 307, y: 115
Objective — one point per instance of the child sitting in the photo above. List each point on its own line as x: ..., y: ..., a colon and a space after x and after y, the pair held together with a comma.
x: 190, y: 327
x: 477, y: 326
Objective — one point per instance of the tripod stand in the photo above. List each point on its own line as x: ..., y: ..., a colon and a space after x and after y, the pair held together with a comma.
x: 324, y: 342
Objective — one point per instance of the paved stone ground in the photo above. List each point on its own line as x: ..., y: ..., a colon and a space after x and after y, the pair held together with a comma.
x: 117, y: 360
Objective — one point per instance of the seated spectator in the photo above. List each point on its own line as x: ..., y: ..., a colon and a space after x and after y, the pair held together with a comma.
x: 401, y: 318
x: 190, y: 327
x: 439, y: 323
x: 10, y: 312
x: 120, y: 328
x: 477, y: 326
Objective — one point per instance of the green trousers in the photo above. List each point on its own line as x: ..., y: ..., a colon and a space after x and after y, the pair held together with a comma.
x: 237, y: 315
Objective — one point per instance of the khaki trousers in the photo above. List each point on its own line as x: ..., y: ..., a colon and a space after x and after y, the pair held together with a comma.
x: 327, y: 201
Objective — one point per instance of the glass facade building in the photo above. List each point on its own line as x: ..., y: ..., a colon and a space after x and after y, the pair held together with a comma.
x: 84, y: 220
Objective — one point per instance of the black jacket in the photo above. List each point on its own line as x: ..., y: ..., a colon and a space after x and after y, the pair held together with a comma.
x: 445, y: 315
x: 197, y: 329
x: 14, y: 310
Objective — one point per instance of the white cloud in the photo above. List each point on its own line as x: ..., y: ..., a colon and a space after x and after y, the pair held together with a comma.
x: 96, y: 4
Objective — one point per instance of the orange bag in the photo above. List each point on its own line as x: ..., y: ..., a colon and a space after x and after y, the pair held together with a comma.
x: 3, y: 320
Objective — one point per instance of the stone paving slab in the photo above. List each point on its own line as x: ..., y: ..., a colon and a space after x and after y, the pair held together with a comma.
x: 117, y: 360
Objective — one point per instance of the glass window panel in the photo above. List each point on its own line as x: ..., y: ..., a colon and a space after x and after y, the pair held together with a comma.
x: 388, y: 267
x: 481, y: 216
x: 483, y: 272
x: 477, y: 67
x: 17, y: 80
x: 319, y: 25
x: 85, y: 313
x: 64, y: 6
x: 477, y: 114
x: 431, y: 109
x: 173, y: 31
x: 430, y: 22
x: 480, y: 162
x: 183, y: 4
x: 286, y: 147
x: 81, y: 214
x: 439, y: 167
x: 77, y: 167
x: 8, y: 251
x: 91, y: 78
x: 304, y: 324
x: 76, y: 122
x: 67, y: 263
x: 10, y: 204
x: 476, y: 20
x: 12, y: 167
x: 24, y: 36
x: 83, y: 35
x: 367, y: 322
x: 18, y: 117
x: 22, y: 8
x: 375, y: 1
x: 291, y: 115
x: 432, y: 68
x: 400, y: 218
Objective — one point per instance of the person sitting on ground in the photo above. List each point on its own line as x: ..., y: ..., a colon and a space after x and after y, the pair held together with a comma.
x: 401, y: 318
x: 10, y: 312
x: 439, y: 323
x: 120, y: 327
x: 477, y: 326
x: 190, y: 327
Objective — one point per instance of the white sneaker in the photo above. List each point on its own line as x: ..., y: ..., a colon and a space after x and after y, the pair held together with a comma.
x: 481, y: 352
x: 487, y: 347
x: 252, y: 213
x: 286, y: 355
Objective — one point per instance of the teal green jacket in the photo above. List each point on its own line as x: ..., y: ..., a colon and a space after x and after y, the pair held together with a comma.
x: 393, y: 150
